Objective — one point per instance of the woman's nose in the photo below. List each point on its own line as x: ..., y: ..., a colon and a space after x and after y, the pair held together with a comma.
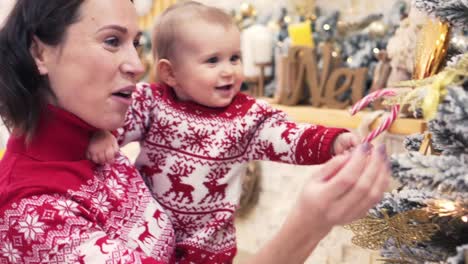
x: 133, y: 67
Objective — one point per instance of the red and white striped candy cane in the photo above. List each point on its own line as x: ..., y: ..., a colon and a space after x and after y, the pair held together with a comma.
x: 384, y: 125
x: 361, y: 104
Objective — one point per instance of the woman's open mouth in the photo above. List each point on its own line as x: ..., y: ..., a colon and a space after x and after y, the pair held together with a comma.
x: 124, y: 95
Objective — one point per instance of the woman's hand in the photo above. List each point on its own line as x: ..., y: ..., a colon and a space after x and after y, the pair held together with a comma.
x: 351, y: 184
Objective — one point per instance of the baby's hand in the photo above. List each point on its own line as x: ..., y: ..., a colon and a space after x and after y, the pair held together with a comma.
x: 102, y: 148
x: 344, y: 143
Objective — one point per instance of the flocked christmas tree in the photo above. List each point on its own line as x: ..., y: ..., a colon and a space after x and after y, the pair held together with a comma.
x: 425, y: 220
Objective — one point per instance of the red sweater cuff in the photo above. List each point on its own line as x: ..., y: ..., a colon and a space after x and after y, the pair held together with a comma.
x: 315, y: 145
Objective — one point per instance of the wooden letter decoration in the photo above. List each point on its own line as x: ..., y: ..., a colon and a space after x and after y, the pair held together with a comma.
x: 301, y: 64
x: 336, y: 88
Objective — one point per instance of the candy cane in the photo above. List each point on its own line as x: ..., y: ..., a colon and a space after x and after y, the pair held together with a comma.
x: 361, y: 104
x: 387, y: 122
x: 385, y: 125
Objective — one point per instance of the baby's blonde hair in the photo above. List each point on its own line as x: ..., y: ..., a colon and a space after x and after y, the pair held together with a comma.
x: 167, y: 33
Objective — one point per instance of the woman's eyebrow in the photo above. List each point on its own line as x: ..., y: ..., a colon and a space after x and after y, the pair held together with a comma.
x: 115, y: 27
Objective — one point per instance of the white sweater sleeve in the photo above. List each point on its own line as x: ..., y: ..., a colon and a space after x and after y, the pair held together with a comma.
x: 3, y: 135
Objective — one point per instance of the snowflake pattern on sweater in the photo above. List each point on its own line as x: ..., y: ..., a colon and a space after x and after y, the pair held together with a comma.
x: 57, y: 207
x: 193, y: 156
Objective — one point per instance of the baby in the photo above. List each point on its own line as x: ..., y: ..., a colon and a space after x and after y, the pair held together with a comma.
x: 197, y: 131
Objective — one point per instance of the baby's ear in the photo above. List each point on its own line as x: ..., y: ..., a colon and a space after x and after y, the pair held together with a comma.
x: 166, y: 72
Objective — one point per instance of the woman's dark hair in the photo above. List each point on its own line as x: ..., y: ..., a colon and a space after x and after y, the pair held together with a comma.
x: 22, y: 89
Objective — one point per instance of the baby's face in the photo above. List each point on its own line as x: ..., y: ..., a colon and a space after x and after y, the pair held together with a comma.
x: 208, y: 67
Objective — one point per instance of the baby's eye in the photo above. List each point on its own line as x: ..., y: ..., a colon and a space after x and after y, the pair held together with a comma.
x: 235, y: 58
x: 112, y: 41
x: 212, y: 60
x: 137, y: 43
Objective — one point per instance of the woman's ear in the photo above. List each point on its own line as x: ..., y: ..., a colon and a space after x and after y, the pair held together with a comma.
x: 166, y: 72
x: 38, y: 50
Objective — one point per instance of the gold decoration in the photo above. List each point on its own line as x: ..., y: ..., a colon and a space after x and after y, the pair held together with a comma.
x: 246, y: 15
x: 426, y: 147
x: 407, y: 228
x: 431, y: 48
x: 247, y: 10
x: 444, y: 208
x: 430, y: 90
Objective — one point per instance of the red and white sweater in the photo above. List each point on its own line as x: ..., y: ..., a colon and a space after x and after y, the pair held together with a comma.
x: 193, y: 157
x: 58, y: 207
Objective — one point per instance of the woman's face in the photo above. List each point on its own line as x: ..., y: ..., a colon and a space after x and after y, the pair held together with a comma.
x: 93, y: 71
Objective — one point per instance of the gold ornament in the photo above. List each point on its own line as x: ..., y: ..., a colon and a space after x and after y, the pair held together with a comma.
x: 430, y: 90
x: 444, y: 208
x: 247, y: 10
x: 407, y: 228
x: 246, y: 15
x: 431, y: 48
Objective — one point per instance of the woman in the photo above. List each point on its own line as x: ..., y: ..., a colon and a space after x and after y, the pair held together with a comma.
x: 67, y: 68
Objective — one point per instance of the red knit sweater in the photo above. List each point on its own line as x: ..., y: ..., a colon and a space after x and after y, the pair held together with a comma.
x: 193, y: 157
x: 57, y: 207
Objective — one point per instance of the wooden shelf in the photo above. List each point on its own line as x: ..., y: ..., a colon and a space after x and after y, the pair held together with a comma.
x: 342, y: 118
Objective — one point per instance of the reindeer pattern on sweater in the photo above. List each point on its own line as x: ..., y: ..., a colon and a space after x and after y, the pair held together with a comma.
x: 193, y: 157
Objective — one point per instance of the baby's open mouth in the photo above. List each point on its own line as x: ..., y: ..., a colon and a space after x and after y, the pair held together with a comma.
x: 224, y: 87
x: 126, y: 94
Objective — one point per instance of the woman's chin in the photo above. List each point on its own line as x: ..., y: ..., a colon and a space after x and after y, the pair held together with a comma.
x: 111, y: 123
